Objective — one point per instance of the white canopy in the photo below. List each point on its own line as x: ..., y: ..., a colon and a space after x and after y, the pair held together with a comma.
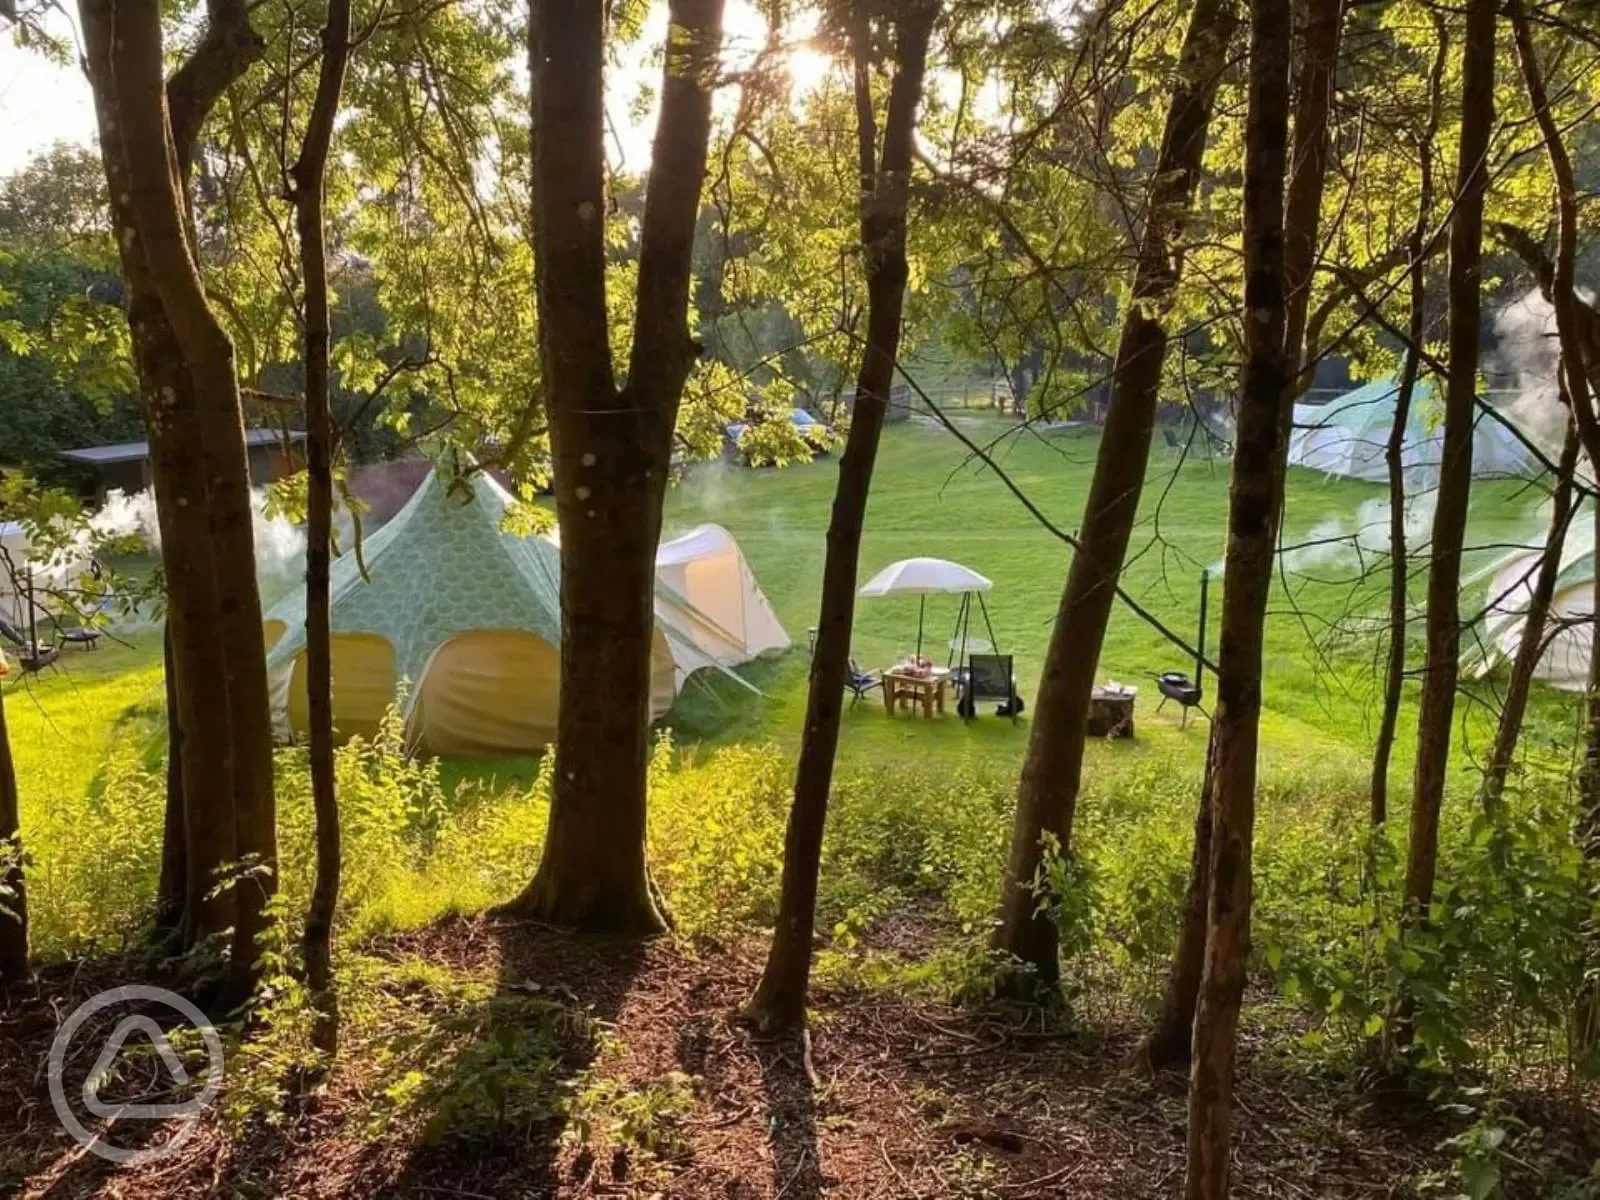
x: 925, y: 577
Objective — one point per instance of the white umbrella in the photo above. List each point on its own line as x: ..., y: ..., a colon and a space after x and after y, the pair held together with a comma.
x: 924, y: 577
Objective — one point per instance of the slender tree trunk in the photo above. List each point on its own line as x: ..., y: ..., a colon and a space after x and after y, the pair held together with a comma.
x: 174, y: 847
x: 612, y: 447
x: 13, y: 888
x: 780, y: 998
x: 1531, y: 647
x: 1322, y: 23
x: 1580, y: 367
x: 1168, y: 1042
x: 1437, y: 707
x: 1393, y: 453
x: 1255, y: 501
x: 1586, y: 1011
x: 198, y: 456
x: 1047, y: 791
x: 308, y: 175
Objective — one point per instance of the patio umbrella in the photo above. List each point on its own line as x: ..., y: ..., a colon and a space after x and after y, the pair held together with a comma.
x: 924, y: 577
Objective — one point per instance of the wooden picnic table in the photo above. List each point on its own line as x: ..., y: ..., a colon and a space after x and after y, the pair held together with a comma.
x: 900, y: 685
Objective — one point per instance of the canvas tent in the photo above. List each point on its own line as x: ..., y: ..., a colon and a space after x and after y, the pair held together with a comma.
x: 470, y: 615
x: 36, y: 582
x: 1569, y: 632
x: 1348, y: 437
x: 709, y: 597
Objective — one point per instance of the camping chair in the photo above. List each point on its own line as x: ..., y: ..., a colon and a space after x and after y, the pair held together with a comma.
x: 988, y: 677
x: 33, y: 657
x: 860, y: 682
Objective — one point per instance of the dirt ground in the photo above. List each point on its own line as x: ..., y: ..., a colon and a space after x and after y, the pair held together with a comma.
x: 886, y: 1098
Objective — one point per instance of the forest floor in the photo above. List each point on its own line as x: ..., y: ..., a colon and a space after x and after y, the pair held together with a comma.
x: 666, y: 1094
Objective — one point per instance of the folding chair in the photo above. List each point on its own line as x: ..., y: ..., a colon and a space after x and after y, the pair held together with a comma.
x: 988, y: 677
x: 860, y: 682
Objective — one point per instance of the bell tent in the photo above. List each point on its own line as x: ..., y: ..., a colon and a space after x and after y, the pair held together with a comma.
x: 1569, y: 629
x: 471, y: 615
x: 1349, y: 436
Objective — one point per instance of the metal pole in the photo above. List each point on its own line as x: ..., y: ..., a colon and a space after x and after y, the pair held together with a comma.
x: 922, y: 605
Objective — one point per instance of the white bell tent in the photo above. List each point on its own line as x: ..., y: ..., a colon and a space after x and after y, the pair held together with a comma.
x: 1569, y: 630
x: 1349, y: 435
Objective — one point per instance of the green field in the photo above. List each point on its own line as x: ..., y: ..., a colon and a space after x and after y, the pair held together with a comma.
x: 929, y: 498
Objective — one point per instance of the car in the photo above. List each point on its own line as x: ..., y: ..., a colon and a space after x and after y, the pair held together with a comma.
x: 813, y: 432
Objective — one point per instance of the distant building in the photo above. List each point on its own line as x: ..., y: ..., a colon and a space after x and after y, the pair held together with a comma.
x: 126, y: 465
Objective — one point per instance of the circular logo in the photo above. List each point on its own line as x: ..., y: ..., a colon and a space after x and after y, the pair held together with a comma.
x: 188, y: 1111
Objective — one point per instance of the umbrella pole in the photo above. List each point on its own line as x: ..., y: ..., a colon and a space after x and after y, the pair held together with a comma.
x: 922, y: 605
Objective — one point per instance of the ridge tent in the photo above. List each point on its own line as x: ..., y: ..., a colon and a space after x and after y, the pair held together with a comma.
x: 1349, y: 434
x: 709, y: 597
x: 469, y: 613
x: 1569, y: 629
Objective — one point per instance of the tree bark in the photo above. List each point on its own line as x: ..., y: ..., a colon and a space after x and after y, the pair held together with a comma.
x: 13, y: 887
x: 612, y: 448
x: 199, y: 466
x: 1580, y: 366
x: 1531, y: 648
x: 1047, y: 791
x: 780, y: 997
x: 1169, y: 1040
x: 1168, y: 1044
x: 1437, y: 707
x: 308, y: 175
x: 1586, y: 1010
x: 1255, y: 502
x: 174, y: 848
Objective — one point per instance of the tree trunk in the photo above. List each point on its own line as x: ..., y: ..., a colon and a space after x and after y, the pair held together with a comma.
x: 198, y: 459
x: 13, y: 889
x: 1437, y: 708
x: 612, y: 448
x: 780, y: 998
x: 308, y: 175
x: 1255, y: 501
x: 1047, y: 791
x: 1393, y: 453
x: 1530, y: 649
x: 1586, y: 1011
x: 1169, y: 1042
x: 174, y: 848
x: 1580, y: 366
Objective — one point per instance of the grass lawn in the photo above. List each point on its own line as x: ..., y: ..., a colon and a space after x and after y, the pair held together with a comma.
x: 928, y: 498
